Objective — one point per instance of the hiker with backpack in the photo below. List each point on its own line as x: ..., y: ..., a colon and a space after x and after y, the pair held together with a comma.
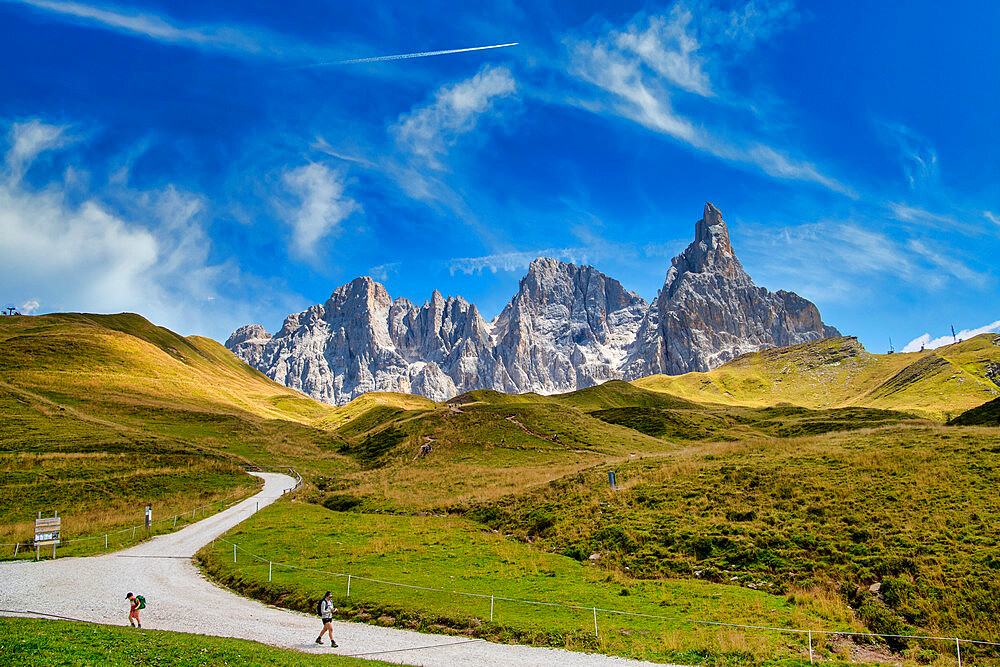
x: 325, y: 611
x: 138, y: 602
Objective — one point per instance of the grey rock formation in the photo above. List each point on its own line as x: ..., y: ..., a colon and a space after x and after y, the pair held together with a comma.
x: 709, y: 311
x: 567, y: 327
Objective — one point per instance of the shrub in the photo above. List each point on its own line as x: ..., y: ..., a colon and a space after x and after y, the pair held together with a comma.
x: 339, y: 502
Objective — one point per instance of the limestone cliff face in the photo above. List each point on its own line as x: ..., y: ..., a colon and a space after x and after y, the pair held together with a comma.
x: 709, y: 311
x: 567, y: 327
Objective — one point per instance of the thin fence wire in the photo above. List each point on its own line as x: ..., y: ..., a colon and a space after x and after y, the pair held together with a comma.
x: 27, y: 544
x: 806, y: 633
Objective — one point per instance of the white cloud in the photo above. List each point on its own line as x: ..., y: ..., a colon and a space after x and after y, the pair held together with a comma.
x: 668, y: 47
x: 644, y: 65
x: 927, y: 343
x: 992, y: 217
x: 28, y: 307
x: 322, y: 206
x: 27, y: 140
x: 66, y: 249
x: 429, y: 131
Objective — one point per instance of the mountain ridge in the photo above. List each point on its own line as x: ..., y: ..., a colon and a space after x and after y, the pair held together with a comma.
x: 566, y: 328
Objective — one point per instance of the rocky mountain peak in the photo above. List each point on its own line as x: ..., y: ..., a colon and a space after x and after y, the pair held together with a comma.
x: 567, y: 327
x: 711, y: 252
x: 249, y: 332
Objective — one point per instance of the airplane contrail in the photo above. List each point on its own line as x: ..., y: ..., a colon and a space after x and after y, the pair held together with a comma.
x: 404, y: 56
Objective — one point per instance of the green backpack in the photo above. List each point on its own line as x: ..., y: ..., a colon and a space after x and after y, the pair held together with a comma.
x: 142, y: 602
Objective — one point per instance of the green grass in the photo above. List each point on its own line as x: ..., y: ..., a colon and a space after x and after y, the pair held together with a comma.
x: 28, y: 641
x: 911, y: 507
x: 838, y: 372
x: 987, y: 414
x: 811, y: 471
x: 103, y: 415
x: 455, y: 554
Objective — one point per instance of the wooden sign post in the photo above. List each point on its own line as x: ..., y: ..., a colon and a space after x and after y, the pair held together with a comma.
x: 47, y: 532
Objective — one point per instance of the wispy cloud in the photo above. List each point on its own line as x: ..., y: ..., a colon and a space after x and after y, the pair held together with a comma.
x: 644, y: 65
x: 596, y: 249
x: 992, y: 217
x: 428, y: 131
x: 925, y: 342
x: 917, y: 155
x: 155, y: 27
x: 382, y: 271
x: 835, y: 261
x: 27, y: 140
x: 322, y: 206
x: 943, y: 222
x: 515, y: 261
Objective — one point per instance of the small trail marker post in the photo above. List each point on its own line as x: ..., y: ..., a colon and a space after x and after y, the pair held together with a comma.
x: 611, y: 480
x: 149, y: 518
x: 47, y: 532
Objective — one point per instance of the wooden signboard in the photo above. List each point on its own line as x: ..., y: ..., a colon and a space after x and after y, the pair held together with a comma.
x: 47, y: 531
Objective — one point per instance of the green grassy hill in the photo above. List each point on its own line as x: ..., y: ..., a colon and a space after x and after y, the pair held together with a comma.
x: 987, y: 414
x: 839, y: 372
x: 103, y: 414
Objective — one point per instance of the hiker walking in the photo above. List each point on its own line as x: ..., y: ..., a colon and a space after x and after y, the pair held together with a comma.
x: 137, y: 602
x: 325, y: 610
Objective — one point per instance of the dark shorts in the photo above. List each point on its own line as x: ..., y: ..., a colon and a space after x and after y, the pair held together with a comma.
x: 324, y: 621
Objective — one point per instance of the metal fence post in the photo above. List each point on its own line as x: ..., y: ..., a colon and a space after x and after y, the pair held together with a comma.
x: 133, y: 532
x: 15, y: 549
x: 348, y: 585
x: 268, y: 571
x: 810, y: 647
x: 234, y: 553
x: 175, y: 521
x: 105, y: 540
x: 958, y: 651
x: 491, y: 609
x: 595, y: 621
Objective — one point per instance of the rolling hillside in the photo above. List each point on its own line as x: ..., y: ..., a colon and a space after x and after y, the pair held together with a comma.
x: 839, y: 372
x: 105, y: 413
x: 812, y: 468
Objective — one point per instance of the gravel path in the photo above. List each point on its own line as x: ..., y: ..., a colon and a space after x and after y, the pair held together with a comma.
x: 180, y: 598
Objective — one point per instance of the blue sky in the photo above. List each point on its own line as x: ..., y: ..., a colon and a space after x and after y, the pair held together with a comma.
x: 211, y: 165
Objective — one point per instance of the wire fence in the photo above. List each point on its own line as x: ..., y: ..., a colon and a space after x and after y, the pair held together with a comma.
x: 143, y: 531
x: 594, y: 612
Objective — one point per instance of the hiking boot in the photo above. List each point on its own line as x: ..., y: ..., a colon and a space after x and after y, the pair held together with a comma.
x: 333, y: 644
x: 319, y: 641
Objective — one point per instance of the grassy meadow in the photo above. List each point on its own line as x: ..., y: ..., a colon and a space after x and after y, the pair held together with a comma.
x: 36, y: 642
x: 838, y: 372
x: 450, y: 553
x: 812, y: 486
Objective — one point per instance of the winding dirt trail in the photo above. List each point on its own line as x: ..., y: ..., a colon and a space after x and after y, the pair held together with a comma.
x: 180, y: 598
